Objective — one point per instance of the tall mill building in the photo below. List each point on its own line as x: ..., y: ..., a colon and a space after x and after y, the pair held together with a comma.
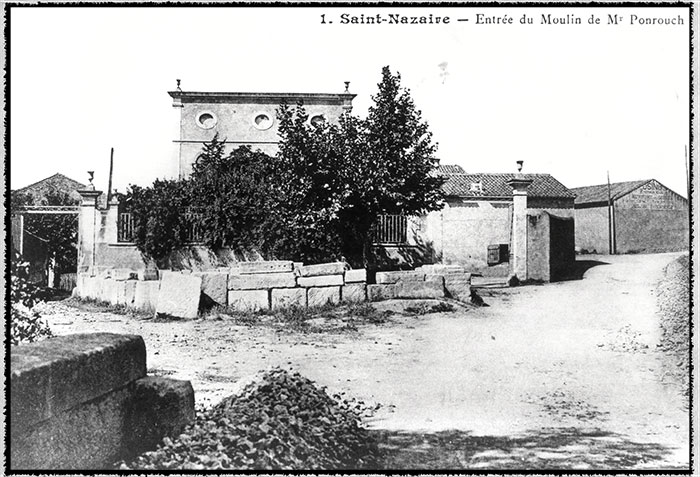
x: 244, y: 118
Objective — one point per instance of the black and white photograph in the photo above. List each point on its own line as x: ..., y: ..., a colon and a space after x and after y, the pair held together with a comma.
x: 452, y: 238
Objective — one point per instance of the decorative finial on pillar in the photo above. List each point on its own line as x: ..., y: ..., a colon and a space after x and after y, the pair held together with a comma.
x: 347, y: 86
x: 520, y: 165
x: 92, y: 176
x: 178, y: 85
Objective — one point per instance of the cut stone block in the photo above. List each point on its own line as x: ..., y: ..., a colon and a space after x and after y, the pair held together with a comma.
x: 129, y: 292
x: 160, y: 407
x: 214, y: 287
x: 405, y: 275
x: 276, y: 266
x: 179, y: 295
x: 51, y: 376
x: 321, y: 281
x: 262, y: 281
x: 431, y: 287
x: 123, y: 274
x: 286, y: 297
x: 440, y: 269
x: 355, y: 276
x: 334, y: 268
x: 458, y: 286
x: 146, y: 295
x: 381, y: 292
x: 145, y: 274
x: 249, y: 300
x: 113, y: 291
x: 354, y: 292
x: 322, y: 295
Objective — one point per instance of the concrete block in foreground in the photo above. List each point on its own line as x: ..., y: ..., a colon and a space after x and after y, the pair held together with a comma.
x: 431, y: 287
x: 354, y: 292
x: 249, y: 300
x: 384, y: 278
x: 380, y: 292
x: 262, y: 281
x: 356, y: 276
x: 321, y: 281
x: 179, y: 295
x: 333, y: 268
x: 88, y: 436
x: 323, y: 295
x: 274, y: 266
x: 54, y: 375
x: 159, y: 407
x: 285, y: 297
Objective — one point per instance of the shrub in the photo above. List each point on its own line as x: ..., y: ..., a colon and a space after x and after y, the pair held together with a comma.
x: 26, y: 325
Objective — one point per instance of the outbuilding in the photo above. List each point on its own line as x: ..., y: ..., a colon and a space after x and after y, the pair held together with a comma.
x: 641, y: 217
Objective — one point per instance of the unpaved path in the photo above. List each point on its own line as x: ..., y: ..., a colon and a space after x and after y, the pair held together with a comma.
x: 563, y: 375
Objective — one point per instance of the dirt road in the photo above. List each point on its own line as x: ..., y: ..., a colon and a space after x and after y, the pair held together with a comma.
x: 563, y: 375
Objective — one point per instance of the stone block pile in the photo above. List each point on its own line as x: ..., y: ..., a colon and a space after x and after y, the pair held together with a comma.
x: 426, y: 281
x: 267, y: 285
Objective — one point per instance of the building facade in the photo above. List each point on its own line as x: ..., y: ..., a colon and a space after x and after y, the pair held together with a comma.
x: 644, y: 217
x: 244, y: 118
x: 478, y: 216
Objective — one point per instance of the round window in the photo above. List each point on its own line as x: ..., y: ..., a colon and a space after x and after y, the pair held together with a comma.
x: 318, y: 120
x: 262, y: 121
x: 206, y: 120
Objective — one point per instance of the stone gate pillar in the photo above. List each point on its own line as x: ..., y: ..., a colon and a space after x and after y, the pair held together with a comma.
x: 518, y: 245
x: 88, y: 222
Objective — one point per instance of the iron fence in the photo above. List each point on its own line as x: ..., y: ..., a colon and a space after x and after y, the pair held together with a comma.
x: 194, y: 231
x: 390, y: 229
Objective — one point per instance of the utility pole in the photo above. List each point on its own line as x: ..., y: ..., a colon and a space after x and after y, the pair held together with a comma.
x: 611, y: 249
x: 109, y: 184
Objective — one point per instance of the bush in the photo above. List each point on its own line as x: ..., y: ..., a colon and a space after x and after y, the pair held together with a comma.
x: 26, y: 325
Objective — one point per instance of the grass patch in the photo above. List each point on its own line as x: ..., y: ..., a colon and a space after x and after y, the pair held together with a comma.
x: 424, y: 308
x: 327, y: 318
x: 98, y: 306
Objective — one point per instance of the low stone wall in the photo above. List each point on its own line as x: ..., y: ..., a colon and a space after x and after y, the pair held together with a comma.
x: 84, y: 402
x: 427, y: 281
x: 265, y: 285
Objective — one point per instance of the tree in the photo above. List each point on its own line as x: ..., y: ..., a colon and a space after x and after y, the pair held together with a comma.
x: 234, y: 193
x: 346, y: 176
x: 393, y: 157
x: 310, y: 185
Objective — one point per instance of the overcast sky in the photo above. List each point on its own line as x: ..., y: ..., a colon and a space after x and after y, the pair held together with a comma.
x: 571, y: 100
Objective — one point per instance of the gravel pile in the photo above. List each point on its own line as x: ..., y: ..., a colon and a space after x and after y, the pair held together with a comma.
x: 280, y: 421
x: 673, y: 295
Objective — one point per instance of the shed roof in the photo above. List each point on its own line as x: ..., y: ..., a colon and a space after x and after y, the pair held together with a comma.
x: 599, y: 193
x: 496, y: 185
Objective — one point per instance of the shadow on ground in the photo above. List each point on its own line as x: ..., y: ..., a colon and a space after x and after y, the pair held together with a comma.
x: 556, y: 448
x: 578, y: 269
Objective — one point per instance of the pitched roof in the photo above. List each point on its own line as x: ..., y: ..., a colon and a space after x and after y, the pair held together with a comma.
x: 449, y: 169
x: 55, y: 183
x: 599, y: 193
x: 496, y: 185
